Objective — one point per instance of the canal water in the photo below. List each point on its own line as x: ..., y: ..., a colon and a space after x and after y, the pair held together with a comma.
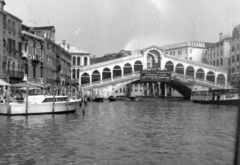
x: 145, y: 132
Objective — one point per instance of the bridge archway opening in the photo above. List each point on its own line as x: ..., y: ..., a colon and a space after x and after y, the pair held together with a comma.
x: 221, y: 79
x: 150, y: 61
x: 73, y: 73
x: 85, y: 79
x: 169, y: 66
x: 138, y: 66
x: 117, y: 71
x: 127, y: 69
x: 106, y: 73
x: 96, y: 76
x: 179, y: 68
x: 156, y: 59
x: 210, y: 76
x: 190, y: 71
x: 200, y: 74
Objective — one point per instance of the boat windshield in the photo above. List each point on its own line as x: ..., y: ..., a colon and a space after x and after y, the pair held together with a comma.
x: 2, y: 100
x: 199, y: 93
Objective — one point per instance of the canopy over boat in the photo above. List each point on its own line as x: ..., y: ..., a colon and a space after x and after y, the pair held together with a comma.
x: 30, y: 88
x: 3, y: 83
x: 25, y: 84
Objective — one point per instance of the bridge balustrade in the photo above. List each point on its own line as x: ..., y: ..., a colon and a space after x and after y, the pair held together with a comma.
x: 111, y: 61
x: 197, y: 63
x: 202, y: 81
x: 122, y: 78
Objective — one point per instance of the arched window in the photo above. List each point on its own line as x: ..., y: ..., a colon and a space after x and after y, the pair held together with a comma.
x: 78, y: 61
x: 85, y: 61
x: 74, y: 61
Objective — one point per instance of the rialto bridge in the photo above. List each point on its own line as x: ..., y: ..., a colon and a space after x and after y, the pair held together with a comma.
x: 106, y: 77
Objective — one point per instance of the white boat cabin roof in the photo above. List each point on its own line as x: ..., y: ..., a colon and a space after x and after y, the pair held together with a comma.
x: 37, y: 99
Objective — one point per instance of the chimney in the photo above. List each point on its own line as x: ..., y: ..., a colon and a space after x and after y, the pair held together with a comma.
x: 2, y: 3
x: 68, y: 46
x: 220, y: 36
x: 63, y: 42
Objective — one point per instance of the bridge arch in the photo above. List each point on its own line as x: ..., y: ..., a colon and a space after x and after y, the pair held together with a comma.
x: 190, y: 71
x: 179, y: 68
x: 117, y: 71
x: 200, y: 73
x: 127, y: 68
x: 106, y: 73
x: 96, y: 76
x: 138, y: 66
x: 85, y: 78
x: 169, y: 66
x: 210, y: 76
x: 221, y: 79
x: 154, y: 52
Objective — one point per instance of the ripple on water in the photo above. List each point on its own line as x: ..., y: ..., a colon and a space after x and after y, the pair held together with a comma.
x: 150, y: 131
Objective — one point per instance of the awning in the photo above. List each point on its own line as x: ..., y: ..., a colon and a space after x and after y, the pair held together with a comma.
x: 24, y: 84
x: 3, y: 83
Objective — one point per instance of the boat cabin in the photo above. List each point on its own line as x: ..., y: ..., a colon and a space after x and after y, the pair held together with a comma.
x: 215, y: 94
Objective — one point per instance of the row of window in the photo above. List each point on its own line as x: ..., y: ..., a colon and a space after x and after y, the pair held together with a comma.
x: 235, y: 47
x: 179, y: 52
x: 11, y: 45
x: 77, y: 61
x: 214, y: 62
x: 215, y: 54
x: 11, y: 25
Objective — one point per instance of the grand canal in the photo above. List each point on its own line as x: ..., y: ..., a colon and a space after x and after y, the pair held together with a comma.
x: 149, y: 131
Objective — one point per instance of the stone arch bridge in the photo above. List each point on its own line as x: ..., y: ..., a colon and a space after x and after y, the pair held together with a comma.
x: 106, y: 77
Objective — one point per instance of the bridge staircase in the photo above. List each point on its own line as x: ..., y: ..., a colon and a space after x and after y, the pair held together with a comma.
x: 192, y: 81
x: 127, y: 78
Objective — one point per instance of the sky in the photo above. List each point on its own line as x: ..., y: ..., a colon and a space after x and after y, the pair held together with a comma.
x: 109, y: 26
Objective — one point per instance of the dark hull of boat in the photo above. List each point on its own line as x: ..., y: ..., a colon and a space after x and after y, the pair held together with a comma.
x: 111, y: 98
x: 99, y: 99
x: 219, y: 102
x: 132, y: 98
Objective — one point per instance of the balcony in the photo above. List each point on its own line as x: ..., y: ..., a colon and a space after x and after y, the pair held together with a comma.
x: 24, y: 55
x: 15, y: 74
x: 36, y: 58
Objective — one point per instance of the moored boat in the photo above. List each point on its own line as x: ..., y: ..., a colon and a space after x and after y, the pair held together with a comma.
x: 99, y: 98
x: 39, y: 104
x: 216, y: 96
x: 133, y: 98
x: 112, y: 98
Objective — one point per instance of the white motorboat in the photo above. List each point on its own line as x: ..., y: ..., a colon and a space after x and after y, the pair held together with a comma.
x: 216, y: 96
x: 39, y: 104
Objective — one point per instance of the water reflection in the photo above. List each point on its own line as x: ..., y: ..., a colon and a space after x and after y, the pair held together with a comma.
x: 150, y: 131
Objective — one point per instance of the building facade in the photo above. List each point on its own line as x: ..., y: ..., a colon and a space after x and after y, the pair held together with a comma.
x: 234, y: 61
x: 191, y: 50
x: 11, y: 63
x: 218, y: 54
x: 79, y: 58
